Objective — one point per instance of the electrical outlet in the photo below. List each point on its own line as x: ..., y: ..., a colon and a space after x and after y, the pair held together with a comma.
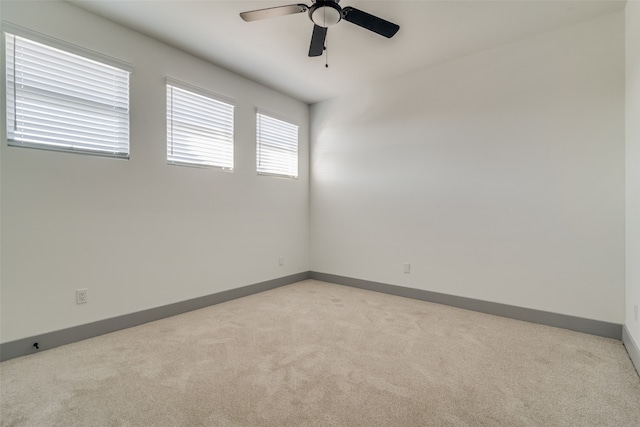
x: 635, y: 312
x: 407, y: 268
x: 281, y: 261
x: 81, y: 296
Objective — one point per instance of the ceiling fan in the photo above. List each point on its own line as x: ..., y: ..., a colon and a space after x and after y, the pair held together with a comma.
x: 323, y: 14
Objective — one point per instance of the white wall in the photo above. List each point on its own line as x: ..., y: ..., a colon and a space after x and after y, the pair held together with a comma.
x: 139, y: 233
x: 498, y: 176
x: 633, y: 165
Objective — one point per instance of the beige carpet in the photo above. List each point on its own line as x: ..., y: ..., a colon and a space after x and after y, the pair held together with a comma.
x: 317, y: 354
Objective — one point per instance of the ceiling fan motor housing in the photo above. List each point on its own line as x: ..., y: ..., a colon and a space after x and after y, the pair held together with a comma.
x: 325, y: 13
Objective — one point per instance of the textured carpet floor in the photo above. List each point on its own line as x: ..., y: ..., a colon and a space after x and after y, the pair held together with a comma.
x: 317, y: 354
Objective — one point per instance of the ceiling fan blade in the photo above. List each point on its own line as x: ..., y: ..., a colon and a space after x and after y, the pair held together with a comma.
x: 270, y: 12
x: 370, y: 22
x: 317, y: 40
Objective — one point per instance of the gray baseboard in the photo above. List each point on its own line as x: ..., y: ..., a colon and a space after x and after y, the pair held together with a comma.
x: 589, y: 326
x: 632, y: 349
x: 23, y: 347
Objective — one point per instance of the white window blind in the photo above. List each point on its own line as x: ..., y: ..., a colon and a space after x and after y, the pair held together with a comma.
x: 62, y: 101
x: 199, y: 129
x: 277, y: 146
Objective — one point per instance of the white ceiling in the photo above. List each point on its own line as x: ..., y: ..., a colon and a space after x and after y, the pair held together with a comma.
x: 274, y: 51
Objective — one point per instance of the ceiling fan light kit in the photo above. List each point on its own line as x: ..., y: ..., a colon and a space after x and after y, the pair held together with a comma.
x: 324, y: 14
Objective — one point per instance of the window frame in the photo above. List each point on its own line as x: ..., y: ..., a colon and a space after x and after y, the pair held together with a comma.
x: 191, y: 89
x: 287, y: 121
x: 121, y: 145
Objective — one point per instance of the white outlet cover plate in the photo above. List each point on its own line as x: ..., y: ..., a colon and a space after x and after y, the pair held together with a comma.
x: 81, y: 296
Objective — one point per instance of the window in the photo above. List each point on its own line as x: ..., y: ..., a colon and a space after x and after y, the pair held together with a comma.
x: 58, y: 100
x: 277, y: 146
x: 199, y: 129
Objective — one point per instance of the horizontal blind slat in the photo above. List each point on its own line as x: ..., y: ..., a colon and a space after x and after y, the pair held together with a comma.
x: 106, y: 96
x: 92, y: 76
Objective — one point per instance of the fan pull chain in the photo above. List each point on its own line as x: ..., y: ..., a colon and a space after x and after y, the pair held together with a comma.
x: 326, y: 55
x: 326, y: 52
